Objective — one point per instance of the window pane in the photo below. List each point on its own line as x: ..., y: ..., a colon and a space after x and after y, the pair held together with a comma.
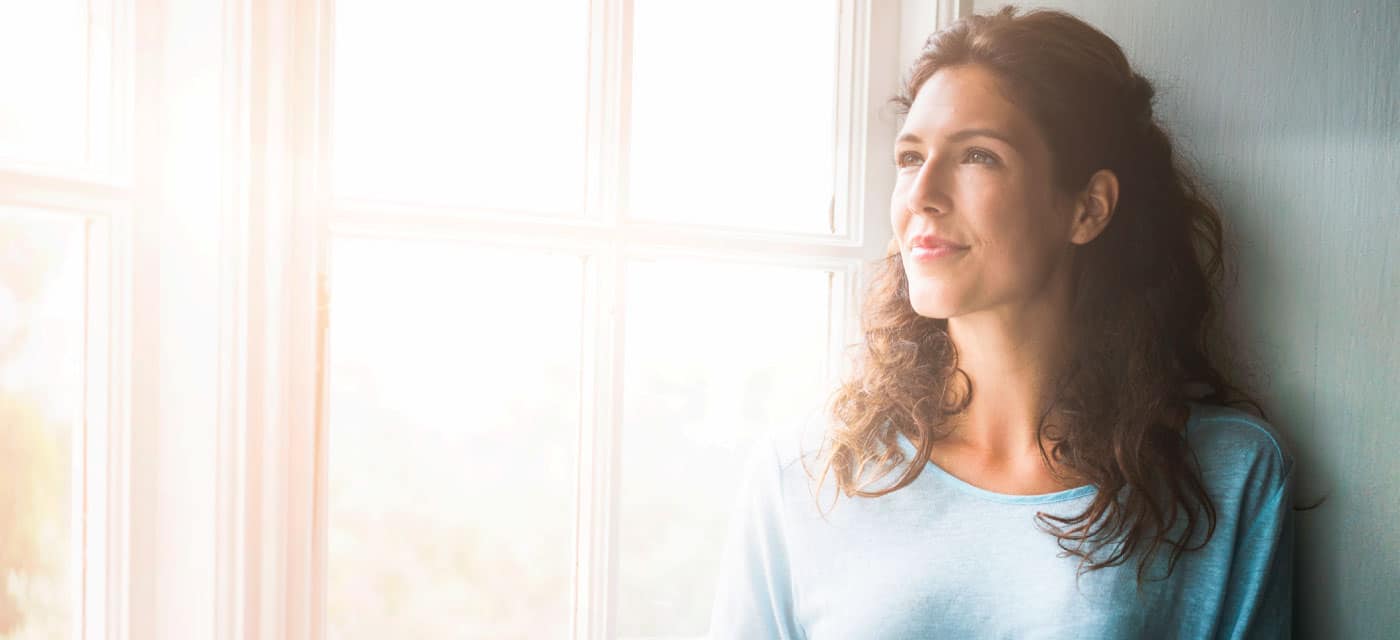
x: 733, y: 105
x: 453, y: 428
x: 42, y: 309
x: 716, y: 354
x: 469, y: 103
x: 43, y: 68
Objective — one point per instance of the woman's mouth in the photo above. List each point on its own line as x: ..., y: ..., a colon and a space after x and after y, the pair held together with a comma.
x: 926, y: 254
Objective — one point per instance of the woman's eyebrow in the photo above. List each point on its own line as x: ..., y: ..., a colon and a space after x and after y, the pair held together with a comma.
x: 963, y: 135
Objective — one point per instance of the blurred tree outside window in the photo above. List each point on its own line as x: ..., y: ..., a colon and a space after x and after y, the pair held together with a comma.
x: 42, y: 306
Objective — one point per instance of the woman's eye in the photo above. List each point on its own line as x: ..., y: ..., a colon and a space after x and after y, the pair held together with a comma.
x: 907, y: 159
x: 980, y: 157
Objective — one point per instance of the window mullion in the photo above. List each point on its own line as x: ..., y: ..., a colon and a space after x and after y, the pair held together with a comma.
x: 609, y: 86
x: 849, y: 138
x: 599, y: 419
x: 620, y: 118
x: 99, y: 434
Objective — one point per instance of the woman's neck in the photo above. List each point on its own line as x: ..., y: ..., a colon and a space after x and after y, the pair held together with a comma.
x: 1013, y: 358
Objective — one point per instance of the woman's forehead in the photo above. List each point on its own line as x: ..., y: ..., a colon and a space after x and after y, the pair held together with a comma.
x: 956, y: 101
x: 960, y: 98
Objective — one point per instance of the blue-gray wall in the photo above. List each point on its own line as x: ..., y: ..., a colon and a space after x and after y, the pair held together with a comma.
x: 1291, y: 114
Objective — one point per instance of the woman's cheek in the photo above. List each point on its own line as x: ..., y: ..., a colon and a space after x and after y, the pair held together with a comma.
x: 899, y: 215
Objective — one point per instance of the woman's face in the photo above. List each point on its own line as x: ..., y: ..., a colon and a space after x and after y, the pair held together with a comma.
x: 979, y: 223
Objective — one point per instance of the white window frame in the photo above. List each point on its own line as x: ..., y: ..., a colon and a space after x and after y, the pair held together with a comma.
x: 271, y: 516
x: 97, y: 190
x: 95, y: 463
x: 160, y: 197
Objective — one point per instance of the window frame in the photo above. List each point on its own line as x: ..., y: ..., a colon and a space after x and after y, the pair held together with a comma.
x: 93, y: 464
x: 97, y: 191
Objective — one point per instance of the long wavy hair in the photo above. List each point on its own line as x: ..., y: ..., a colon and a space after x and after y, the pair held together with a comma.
x: 1144, y: 292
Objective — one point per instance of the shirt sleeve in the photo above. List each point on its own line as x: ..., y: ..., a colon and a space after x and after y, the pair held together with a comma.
x: 1260, y: 604
x: 754, y: 595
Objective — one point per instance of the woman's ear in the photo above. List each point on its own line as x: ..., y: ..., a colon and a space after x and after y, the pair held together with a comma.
x: 1096, y: 206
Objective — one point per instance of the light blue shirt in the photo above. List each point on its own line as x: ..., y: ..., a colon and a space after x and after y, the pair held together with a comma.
x: 941, y: 558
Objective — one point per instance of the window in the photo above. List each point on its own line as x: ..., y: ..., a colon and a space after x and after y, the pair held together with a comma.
x: 576, y: 266
x: 417, y: 318
x: 454, y: 439
x: 63, y: 198
x: 52, y: 290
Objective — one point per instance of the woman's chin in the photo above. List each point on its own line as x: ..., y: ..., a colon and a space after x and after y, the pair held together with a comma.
x: 936, y: 309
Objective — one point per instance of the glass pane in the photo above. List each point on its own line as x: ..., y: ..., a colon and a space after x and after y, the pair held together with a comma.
x: 42, y: 305
x: 479, y: 104
x: 453, y: 427
x: 716, y: 354
x: 733, y: 105
x: 43, y: 68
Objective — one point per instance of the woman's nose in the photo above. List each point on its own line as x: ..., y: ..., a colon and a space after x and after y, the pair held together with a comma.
x: 928, y: 194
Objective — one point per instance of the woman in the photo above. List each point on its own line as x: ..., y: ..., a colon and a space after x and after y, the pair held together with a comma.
x: 1034, y: 443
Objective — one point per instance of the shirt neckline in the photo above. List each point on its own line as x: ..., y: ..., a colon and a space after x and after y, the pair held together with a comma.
x: 1006, y: 498
x: 1011, y: 498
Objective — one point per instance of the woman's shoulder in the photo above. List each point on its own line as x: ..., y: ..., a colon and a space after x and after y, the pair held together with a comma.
x: 1236, y: 447
x: 787, y: 455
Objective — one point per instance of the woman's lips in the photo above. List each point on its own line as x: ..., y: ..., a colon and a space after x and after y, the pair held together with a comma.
x: 925, y: 254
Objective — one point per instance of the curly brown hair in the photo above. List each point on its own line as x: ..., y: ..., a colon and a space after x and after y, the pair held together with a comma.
x: 1142, y: 322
